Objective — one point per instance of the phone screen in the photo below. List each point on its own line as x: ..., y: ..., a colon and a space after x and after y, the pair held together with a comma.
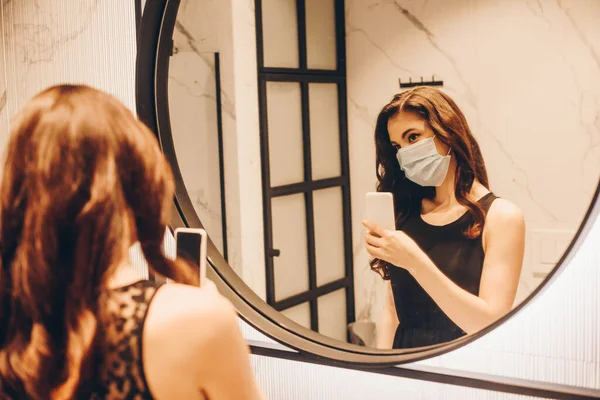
x: 188, y: 246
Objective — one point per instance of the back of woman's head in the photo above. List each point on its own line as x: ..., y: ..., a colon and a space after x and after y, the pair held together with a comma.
x: 82, y: 180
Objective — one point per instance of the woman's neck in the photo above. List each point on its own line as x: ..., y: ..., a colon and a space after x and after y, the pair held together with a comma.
x: 444, y: 194
x: 124, y: 275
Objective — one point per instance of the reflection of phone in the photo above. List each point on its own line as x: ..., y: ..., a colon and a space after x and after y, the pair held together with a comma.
x: 190, y: 244
x: 379, y: 208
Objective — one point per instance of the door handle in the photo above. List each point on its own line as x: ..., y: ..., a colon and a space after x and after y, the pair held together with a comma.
x: 274, y: 253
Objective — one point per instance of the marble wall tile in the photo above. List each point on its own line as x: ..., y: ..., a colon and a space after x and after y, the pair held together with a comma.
x: 527, y: 76
x: 41, y: 52
x: 193, y: 108
x: 250, y: 211
x: 204, y: 27
x: 193, y: 113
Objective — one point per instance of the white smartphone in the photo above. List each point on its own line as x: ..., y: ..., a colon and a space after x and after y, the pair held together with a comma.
x: 190, y: 244
x: 379, y: 208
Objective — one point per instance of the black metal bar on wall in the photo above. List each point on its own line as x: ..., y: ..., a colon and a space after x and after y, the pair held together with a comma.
x: 299, y: 187
x: 305, y: 76
x: 308, y: 195
x: 266, y: 182
x: 301, y: 24
x: 221, y: 152
x: 303, y: 297
x: 295, y: 76
x: 332, y: 73
x: 340, y: 30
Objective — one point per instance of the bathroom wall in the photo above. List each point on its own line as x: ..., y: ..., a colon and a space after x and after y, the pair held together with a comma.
x: 556, y: 338
x: 203, y: 28
x: 43, y: 47
x: 530, y: 91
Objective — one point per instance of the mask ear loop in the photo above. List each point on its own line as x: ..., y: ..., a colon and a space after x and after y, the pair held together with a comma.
x: 449, y: 148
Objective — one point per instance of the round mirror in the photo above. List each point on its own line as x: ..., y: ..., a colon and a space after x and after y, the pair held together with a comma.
x: 283, y: 121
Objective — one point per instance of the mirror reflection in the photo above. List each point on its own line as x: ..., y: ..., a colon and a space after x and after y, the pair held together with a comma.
x: 454, y: 257
x: 487, y: 138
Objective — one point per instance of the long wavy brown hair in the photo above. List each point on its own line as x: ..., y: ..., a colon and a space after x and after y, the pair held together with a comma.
x: 449, y: 126
x: 83, y: 180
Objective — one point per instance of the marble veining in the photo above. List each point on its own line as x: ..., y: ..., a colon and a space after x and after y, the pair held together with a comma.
x: 39, y: 41
x: 192, y: 44
x: 351, y: 29
x: 432, y: 39
x: 580, y: 33
x: 37, y: 34
x: 202, y: 28
x: 193, y: 112
x: 190, y: 40
x: 530, y: 93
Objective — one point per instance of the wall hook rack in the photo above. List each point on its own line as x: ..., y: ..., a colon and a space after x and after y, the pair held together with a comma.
x: 410, y: 83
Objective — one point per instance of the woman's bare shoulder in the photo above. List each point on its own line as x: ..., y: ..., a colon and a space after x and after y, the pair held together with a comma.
x: 503, y: 210
x: 189, y: 316
x: 504, y: 218
x: 187, y: 331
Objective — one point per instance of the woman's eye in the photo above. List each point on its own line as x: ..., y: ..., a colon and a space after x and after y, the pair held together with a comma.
x: 412, y: 137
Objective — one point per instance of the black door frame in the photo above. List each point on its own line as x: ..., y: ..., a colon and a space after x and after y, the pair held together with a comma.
x: 304, y: 76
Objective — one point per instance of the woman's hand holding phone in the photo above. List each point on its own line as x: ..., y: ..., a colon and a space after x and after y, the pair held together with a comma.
x: 394, y: 247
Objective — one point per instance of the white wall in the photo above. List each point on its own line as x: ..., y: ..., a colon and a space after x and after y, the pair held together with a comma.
x: 527, y: 76
x: 193, y: 108
x: 204, y: 27
x: 50, y: 42
x: 557, y: 338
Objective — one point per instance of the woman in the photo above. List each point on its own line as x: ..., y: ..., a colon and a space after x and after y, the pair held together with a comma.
x: 455, y: 259
x: 84, y: 180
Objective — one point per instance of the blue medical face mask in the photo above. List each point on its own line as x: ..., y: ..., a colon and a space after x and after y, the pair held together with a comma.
x: 422, y: 163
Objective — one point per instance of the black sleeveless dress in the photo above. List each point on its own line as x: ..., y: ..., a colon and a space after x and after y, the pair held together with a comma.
x: 121, y: 374
x: 422, y: 322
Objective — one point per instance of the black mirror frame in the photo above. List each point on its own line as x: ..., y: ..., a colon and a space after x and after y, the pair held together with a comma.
x: 152, y: 65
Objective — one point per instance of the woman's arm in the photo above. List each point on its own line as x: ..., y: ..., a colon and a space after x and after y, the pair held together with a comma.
x: 224, y: 362
x: 504, y: 245
x: 386, y: 329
